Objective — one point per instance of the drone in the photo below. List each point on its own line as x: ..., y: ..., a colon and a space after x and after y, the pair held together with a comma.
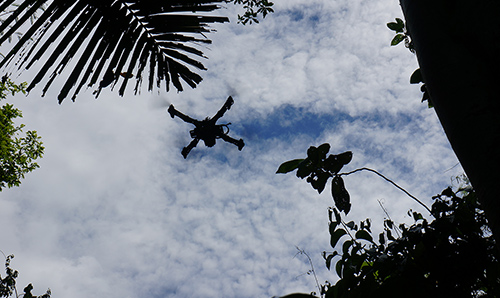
x: 207, y: 129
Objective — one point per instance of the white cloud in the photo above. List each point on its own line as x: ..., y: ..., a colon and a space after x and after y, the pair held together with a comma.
x: 115, y: 211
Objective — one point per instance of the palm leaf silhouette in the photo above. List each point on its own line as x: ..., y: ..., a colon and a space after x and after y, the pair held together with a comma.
x: 109, y: 40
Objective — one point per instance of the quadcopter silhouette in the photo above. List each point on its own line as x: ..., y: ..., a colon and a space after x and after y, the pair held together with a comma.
x: 207, y: 129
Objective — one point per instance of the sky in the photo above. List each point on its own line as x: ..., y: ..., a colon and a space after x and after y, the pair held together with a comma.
x: 115, y: 210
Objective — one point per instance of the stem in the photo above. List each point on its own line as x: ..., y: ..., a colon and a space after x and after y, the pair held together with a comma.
x: 312, y: 267
x: 392, y: 182
x: 389, y: 217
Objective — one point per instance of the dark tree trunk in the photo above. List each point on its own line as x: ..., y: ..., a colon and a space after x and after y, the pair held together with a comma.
x: 458, y: 49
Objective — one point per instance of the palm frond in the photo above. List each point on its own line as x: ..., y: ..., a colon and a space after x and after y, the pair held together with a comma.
x: 111, y: 40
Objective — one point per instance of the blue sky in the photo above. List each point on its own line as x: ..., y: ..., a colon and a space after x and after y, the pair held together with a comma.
x: 115, y: 211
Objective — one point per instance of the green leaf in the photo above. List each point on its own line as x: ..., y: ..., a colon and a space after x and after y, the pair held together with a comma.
x: 416, y: 77
x: 362, y: 234
x: 289, y: 166
x: 336, y: 236
x: 395, y: 27
x: 417, y: 216
x: 397, y: 39
x: 351, y: 225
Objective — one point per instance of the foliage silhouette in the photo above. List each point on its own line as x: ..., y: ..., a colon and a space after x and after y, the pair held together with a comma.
x: 17, y: 153
x: 8, y: 283
x: 113, y: 39
x: 318, y: 168
x: 402, y: 34
x: 454, y: 255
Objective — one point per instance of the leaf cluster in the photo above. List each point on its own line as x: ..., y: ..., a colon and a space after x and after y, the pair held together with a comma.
x: 108, y: 38
x: 253, y: 8
x: 452, y: 256
x: 8, y: 283
x: 416, y: 78
x: 318, y: 168
x: 17, y: 152
x: 402, y: 34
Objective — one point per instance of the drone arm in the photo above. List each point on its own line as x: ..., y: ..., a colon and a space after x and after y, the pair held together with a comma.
x: 227, y: 105
x: 173, y: 112
x: 238, y: 143
x: 185, y: 151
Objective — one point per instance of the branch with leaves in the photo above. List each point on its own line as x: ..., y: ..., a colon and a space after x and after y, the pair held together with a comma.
x: 253, y: 8
x: 318, y: 168
x: 402, y: 34
x: 8, y: 283
x: 114, y: 41
x: 17, y: 152
x: 454, y: 255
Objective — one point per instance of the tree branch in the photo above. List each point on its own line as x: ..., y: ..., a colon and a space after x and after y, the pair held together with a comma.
x: 392, y: 182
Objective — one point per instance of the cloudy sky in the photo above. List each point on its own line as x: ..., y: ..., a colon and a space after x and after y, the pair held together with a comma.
x: 115, y: 210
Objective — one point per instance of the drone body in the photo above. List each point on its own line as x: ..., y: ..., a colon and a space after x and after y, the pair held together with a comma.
x: 207, y: 129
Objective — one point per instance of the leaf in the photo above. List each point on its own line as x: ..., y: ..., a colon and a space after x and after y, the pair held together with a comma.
x: 289, y: 166
x: 305, y: 168
x: 362, y: 234
x: 448, y: 192
x: 329, y: 259
x: 338, y: 267
x: 312, y: 153
x: 334, y: 163
x: 381, y: 238
x: 394, y: 26
x: 400, y: 22
x: 389, y: 235
x: 336, y: 236
x: 345, y: 157
x: 351, y: 225
x: 416, y: 77
x: 417, y: 216
x: 388, y: 223
x: 321, y: 181
x: 397, y: 39
x: 333, y: 225
x: 340, y: 195
x: 102, y: 37
x: 323, y: 150
x: 345, y: 247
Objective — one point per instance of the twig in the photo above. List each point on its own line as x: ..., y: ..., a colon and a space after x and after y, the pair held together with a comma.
x: 312, y: 267
x: 392, y: 182
x: 388, y: 216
